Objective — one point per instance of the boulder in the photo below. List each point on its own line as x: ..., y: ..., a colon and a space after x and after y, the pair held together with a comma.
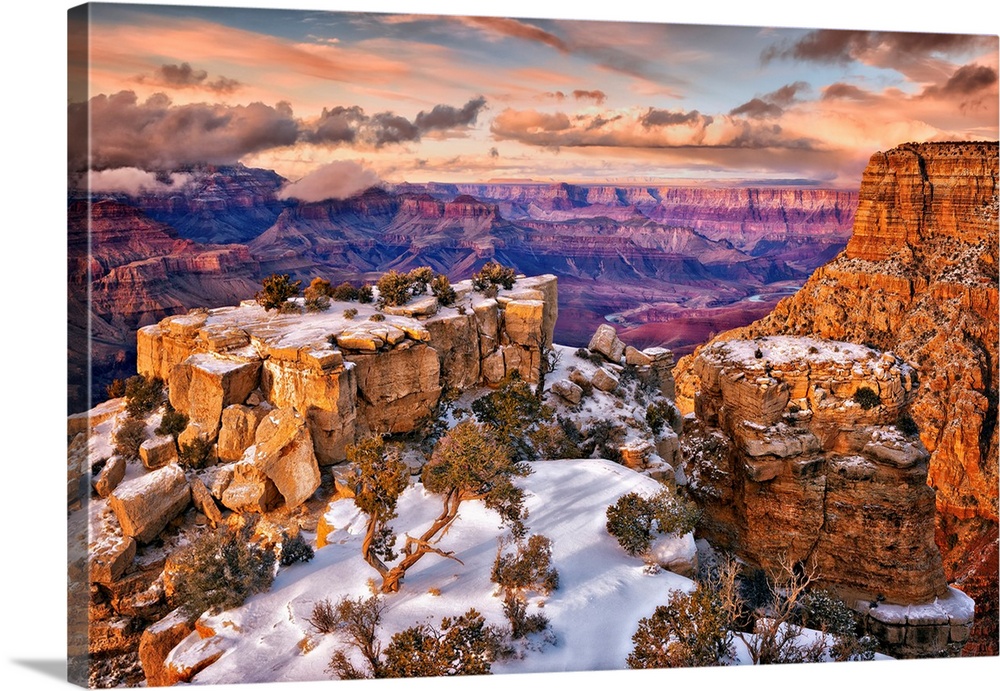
x: 190, y: 656
x: 204, y: 502
x: 146, y: 504
x: 110, y: 559
x: 675, y: 553
x: 637, y: 358
x: 417, y: 307
x: 110, y: 476
x: 604, y: 380
x: 568, y: 391
x: 635, y: 454
x: 205, y: 383
x: 606, y: 342
x: 239, y: 423
x: 158, y: 640
x: 158, y: 451
x: 250, y: 490
x: 494, y: 369
x: 284, y: 453
x: 580, y: 379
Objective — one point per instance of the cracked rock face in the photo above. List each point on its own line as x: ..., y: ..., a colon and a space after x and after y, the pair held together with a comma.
x: 809, y: 475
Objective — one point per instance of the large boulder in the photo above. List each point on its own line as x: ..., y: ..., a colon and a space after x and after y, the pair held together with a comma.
x: 284, y: 453
x: 606, y: 342
x: 523, y: 322
x: 239, y: 424
x: 604, y: 380
x: 249, y: 489
x: 158, y: 451
x: 109, y: 560
x: 146, y: 504
x: 205, y: 383
x: 110, y: 476
x: 158, y: 640
x: 204, y: 502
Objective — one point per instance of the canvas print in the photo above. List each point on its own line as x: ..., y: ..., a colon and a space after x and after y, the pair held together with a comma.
x: 409, y: 346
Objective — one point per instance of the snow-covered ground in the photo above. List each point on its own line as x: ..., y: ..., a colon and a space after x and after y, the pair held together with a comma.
x: 602, y: 591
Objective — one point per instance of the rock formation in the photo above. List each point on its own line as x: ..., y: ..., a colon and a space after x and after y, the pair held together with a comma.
x: 919, y: 277
x: 798, y: 457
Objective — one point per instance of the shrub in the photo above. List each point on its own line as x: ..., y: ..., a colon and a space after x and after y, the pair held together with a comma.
x: 173, y: 422
x: 359, y: 620
x: 605, y: 438
x: 512, y: 410
x: 221, y: 570
x: 350, y: 313
x: 660, y: 413
x: 295, y: 549
x: 116, y: 389
x: 866, y: 398
x: 345, y: 292
x: 129, y: 437
x: 460, y: 646
x: 319, y: 287
x: 420, y: 278
x: 393, y: 289
x: 493, y: 276
x: 142, y: 395
x: 528, y: 568
x: 290, y: 307
x: 196, y: 453
x: 324, y: 617
x: 319, y: 303
x: 276, y: 289
x: 691, y: 630
x: 551, y: 440
x: 521, y: 623
x: 377, y: 317
x: 907, y: 425
x: 442, y: 290
x: 582, y: 353
x: 365, y: 294
x: 634, y: 520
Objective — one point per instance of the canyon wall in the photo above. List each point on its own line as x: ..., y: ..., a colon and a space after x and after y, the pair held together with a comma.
x: 919, y: 277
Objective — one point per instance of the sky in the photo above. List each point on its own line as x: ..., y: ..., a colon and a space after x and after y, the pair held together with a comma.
x: 422, y: 97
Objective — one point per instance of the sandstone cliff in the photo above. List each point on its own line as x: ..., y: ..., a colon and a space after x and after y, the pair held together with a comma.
x: 919, y: 277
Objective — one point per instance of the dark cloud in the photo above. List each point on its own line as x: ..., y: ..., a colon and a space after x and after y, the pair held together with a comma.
x: 337, y: 125
x: 444, y: 117
x: 847, y: 92
x: 843, y: 46
x: 184, y: 76
x: 155, y: 134
x: 600, y: 121
x: 770, y: 105
x: 969, y: 79
x: 655, y: 117
x: 596, y: 95
x: 389, y: 128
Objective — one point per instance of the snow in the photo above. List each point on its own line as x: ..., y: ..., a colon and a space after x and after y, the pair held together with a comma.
x: 602, y: 591
x: 954, y: 607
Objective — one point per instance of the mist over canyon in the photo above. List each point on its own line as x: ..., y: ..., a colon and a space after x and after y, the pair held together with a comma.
x: 669, y: 266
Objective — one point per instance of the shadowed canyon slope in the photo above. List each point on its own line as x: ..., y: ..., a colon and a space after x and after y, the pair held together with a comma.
x: 919, y: 277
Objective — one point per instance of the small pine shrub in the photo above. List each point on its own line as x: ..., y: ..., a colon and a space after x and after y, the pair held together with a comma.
x: 660, y: 413
x: 116, y: 389
x: 394, y: 289
x: 365, y: 294
x: 866, y: 398
x: 345, y: 292
x: 143, y: 395
x: 907, y: 425
x: 691, y: 630
x: 350, y: 313
x: 318, y: 287
x: 521, y: 623
x: 377, y: 317
x: 324, y: 617
x: 634, y: 520
x: 529, y: 567
x: 291, y: 307
x: 493, y: 276
x: 459, y: 646
x: 295, y: 549
x: 420, y: 278
x: 129, y: 437
x: 582, y: 353
x: 442, y: 290
x: 221, y: 570
x: 172, y: 423
x: 195, y: 454
x: 318, y: 303
x: 275, y: 291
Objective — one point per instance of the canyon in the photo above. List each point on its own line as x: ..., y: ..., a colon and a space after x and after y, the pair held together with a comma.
x: 669, y: 266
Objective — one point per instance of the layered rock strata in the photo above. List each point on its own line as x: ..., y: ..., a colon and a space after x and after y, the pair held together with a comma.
x: 919, y: 276
x: 799, y: 453
x: 345, y: 374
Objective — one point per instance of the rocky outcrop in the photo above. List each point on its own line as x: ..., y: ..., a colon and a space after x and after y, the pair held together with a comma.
x: 147, y: 503
x: 919, y: 277
x: 156, y: 643
x: 344, y: 375
x: 814, y: 467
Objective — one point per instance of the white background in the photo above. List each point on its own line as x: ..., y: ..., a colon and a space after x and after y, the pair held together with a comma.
x: 32, y: 362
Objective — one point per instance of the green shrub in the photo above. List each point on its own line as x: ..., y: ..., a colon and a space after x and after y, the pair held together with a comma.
x: 512, y: 410
x: 377, y: 317
x: 365, y: 294
x: 143, y: 395
x: 345, y: 292
x: 173, y: 422
x: 634, y: 520
x: 691, y: 630
x: 521, y: 623
x: 195, y: 454
x: 866, y: 398
x: 442, y: 290
x: 291, y: 307
x: 493, y: 276
x: 660, y: 413
x: 276, y: 289
x: 582, y: 353
x: 220, y: 570
x: 460, y: 646
x: 605, y: 438
x: 116, y: 389
x: 529, y: 567
x: 420, y: 278
x: 318, y: 303
x: 295, y: 549
x: 129, y: 437
x: 350, y: 313
x: 394, y: 289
